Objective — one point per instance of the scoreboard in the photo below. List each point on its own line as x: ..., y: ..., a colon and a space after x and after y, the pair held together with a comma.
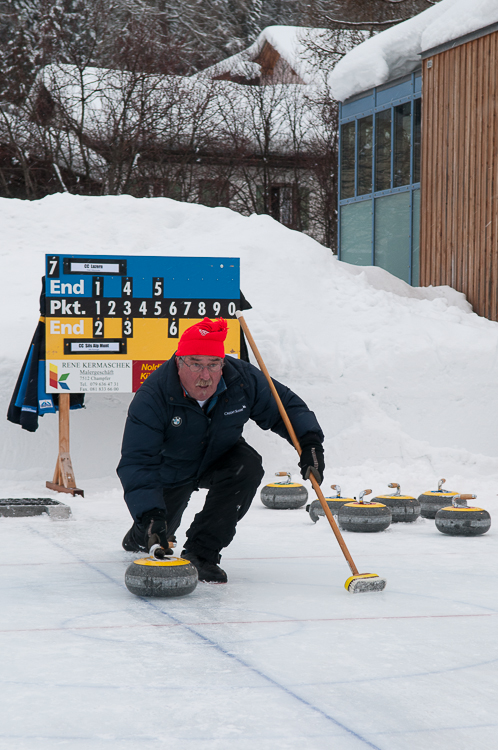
x: 112, y: 320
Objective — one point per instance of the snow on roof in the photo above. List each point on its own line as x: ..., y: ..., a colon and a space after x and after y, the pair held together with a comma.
x: 396, y: 51
x: 179, y: 110
x: 293, y: 43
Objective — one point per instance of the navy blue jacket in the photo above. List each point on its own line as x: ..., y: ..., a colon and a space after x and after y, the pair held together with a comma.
x: 169, y: 440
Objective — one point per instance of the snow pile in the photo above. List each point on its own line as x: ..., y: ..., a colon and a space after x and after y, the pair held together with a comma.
x: 396, y: 51
x: 401, y: 379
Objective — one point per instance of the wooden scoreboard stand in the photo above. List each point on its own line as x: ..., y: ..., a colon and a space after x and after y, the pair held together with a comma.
x: 111, y: 321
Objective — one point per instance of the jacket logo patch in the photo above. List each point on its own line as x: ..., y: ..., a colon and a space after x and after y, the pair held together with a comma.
x: 235, y: 411
x: 176, y: 421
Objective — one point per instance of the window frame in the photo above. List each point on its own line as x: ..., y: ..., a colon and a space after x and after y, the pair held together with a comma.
x: 410, y: 87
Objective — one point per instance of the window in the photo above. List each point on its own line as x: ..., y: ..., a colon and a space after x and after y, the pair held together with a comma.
x: 380, y: 155
x: 383, y: 150
x: 347, y: 160
x: 365, y: 134
x: 213, y: 193
x: 287, y: 203
x: 356, y: 233
x: 417, y: 118
x: 402, y: 142
x: 392, y: 233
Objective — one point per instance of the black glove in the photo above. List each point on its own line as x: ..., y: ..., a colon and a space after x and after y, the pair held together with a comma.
x: 312, y: 460
x: 155, y: 528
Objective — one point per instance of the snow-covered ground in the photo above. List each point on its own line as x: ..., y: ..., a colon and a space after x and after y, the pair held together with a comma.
x: 403, y: 382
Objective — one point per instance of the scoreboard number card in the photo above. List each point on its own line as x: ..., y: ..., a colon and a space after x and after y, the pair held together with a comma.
x: 111, y: 321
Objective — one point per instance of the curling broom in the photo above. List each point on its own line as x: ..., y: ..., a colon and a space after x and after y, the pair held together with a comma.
x: 358, y: 582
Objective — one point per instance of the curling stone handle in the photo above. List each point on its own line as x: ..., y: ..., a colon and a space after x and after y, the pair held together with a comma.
x: 297, y: 446
x: 158, y: 552
x: 460, y: 501
x: 362, y: 495
x: 284, y: 474
x: 336, y: 488
x: 440, y: 484
x: 394, y: 485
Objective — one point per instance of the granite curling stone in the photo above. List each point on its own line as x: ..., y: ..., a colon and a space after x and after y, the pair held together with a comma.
x: 404, y: 508
x: 433, y: 500
x: 364, y: 517
x: 284, y: 495
x: 315, y: 508
x: 149, y: 576
x: 460, y: 520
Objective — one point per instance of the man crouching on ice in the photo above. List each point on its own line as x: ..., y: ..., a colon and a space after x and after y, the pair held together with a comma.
x: 184, y: 432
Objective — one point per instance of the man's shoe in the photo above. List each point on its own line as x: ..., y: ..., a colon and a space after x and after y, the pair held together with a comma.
x: 208, y: 572
x: 134, y: 540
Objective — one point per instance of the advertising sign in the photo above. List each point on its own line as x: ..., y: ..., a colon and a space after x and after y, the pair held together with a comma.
x: 111, y: 321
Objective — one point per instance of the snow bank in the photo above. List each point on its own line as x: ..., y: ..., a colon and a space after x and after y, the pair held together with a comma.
x: 396, y: 51
x: 401, y: 379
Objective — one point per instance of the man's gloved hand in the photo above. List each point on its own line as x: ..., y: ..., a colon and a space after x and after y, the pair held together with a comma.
x: 312, y: 460
x: 154, y: 524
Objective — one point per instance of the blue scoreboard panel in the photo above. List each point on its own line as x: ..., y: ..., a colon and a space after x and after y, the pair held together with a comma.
x: 112, y: 320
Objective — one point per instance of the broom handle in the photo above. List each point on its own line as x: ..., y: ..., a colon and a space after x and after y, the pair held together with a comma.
x: 293, y: 437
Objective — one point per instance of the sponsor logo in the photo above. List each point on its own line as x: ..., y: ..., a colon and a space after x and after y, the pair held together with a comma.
x: 55, y: 381
x: 235, y: 411
x: 176, y: 421
x: 45, y: 404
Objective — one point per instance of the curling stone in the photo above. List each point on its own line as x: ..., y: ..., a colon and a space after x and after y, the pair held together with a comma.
x: 170, y: 576
x: 360, y: 516
x: 460, y: 520
x: 284, y: 495
x: 315, y: 508
x: 432, y: 500
x: 404, y: 508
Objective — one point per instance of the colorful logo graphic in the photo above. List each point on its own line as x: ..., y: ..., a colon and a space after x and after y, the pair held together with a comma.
x: 55, y: 381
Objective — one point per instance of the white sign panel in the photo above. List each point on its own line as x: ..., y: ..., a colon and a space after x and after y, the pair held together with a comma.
x: 89, y: 376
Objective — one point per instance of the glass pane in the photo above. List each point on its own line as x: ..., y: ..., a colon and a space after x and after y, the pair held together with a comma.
x: 365, y: 134
x: 347, y: 160
x: 392, y: 234
x: 417, y: 119
x: 416, y: 238
x: 383, y: 150
x: 356, y: 233
x: 402, y: 124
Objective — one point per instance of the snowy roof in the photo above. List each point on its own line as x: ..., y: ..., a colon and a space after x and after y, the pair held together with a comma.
x: 180, y: 111
x: 293, y: 44
x: 396, y: 51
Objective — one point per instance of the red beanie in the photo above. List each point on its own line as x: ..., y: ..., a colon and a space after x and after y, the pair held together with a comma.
x: 204, y: 339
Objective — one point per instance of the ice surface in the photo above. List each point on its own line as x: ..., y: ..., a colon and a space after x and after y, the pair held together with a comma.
x: 395, y: 52
x: 403, y: 382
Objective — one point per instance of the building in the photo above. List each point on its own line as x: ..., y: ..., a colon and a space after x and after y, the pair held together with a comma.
x: 418, y: 151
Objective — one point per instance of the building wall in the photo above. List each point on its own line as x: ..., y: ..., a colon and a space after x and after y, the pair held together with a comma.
x: 459, y: 173
x: 379, y: 178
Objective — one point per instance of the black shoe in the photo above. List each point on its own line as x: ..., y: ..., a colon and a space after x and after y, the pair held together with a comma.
x: 208, y: 572
x: 134, y: 540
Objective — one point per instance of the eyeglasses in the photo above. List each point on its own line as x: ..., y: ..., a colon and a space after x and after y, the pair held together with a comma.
x: 197, y: 367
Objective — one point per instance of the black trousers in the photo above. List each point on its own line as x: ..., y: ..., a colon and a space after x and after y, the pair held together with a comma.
x: 231, y: 482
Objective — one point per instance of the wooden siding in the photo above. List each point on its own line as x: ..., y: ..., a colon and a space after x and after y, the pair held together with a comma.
x: 459, y: 172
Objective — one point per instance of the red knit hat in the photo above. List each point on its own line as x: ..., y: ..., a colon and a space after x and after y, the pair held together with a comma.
x: 204, y: 339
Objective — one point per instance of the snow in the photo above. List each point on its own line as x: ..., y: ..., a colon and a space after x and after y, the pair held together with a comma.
x: 402, y: 380
x: 182, y: 110
x: 396, y: 51
x: 293, y: 43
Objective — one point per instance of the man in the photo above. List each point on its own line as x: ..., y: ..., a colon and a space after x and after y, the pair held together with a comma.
x: 184, y: 432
